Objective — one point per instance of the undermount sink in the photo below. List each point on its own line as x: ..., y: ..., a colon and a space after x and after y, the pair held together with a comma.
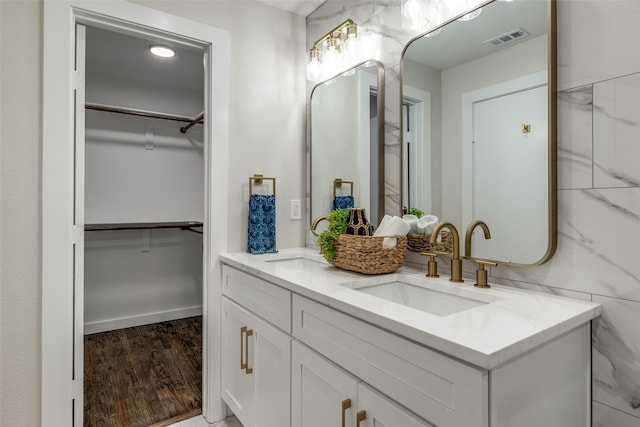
x: 298, y: 263
x: 412, y: 292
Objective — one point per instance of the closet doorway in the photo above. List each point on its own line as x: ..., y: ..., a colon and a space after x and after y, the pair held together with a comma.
x: 143, y: 215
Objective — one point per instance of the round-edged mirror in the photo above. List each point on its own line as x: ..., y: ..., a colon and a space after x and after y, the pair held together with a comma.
x: 479, y: 128
x: 347, y: 144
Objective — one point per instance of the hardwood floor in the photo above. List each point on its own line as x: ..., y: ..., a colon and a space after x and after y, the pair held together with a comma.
x: 144, y: 376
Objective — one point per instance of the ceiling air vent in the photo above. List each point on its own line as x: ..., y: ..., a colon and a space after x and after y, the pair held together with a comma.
x: 508, y: 37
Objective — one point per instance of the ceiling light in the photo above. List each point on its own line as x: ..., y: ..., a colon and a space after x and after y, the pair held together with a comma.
x: 163, y: 51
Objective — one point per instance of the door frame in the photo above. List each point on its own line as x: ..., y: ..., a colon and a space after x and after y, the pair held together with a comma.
x: 59, y: 232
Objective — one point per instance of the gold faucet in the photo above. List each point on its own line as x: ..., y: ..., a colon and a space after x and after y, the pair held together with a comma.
x: 456, y: 262
x: 467, y: 237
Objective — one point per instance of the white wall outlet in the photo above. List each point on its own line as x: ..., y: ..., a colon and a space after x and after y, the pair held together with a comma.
x: 296, y: 210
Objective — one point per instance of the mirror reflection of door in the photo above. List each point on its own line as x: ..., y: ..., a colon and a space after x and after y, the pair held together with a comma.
x: 417, y: 178
x: 509, y: 144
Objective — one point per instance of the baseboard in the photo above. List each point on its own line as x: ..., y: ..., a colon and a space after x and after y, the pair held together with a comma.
x: 144, y: 319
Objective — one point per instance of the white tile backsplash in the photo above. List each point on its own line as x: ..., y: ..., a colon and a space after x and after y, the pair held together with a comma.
x: 605, y: 416
x: 616, y: 132
x: 616, y: 355
x: 575, y: 138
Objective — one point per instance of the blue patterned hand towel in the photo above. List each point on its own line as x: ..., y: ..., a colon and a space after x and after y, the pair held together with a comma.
x: 343, y: 202
x: 262, y: 224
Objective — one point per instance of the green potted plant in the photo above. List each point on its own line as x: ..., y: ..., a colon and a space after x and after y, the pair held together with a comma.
x: 415, y: 211
x: 337, y: 226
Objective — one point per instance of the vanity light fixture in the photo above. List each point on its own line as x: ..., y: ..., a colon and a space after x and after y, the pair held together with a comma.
x: 339, y: 48
x: 162, y: 51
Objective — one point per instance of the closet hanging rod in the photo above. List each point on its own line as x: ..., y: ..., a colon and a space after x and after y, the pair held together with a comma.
x: 193, y: 122
x: 183, y: 225
x: 143, y: 113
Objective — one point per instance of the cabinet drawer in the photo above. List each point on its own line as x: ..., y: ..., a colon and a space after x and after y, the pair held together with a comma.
x: 260, y: 297
x: 443, y: 391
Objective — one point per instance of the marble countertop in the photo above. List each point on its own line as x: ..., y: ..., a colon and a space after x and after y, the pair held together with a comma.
x: 507, y: 322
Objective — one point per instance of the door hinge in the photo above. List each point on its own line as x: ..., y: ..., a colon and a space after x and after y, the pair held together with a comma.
x: 78, y: 234
x: 77, y: 388
x: 78, y: 80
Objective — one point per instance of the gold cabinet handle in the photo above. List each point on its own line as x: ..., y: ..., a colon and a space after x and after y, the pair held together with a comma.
x: 243, y: 364
x: 346, y: 404
x: 360, y: 417
x: 249, y: 333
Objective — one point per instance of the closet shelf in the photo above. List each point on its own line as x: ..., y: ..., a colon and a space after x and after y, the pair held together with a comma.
x: 183, y: 225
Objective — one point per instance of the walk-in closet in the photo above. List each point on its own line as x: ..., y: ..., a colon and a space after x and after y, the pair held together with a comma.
x: 144, y: 207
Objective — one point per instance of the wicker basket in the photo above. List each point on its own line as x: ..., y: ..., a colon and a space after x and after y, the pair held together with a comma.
x: 420, y: 242
x: 365, y: 254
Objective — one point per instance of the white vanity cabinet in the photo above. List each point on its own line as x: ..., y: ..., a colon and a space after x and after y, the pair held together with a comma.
x: 439, y: 389
x: 323, y: 395
x: 299, y: 351
x: 256, y: 355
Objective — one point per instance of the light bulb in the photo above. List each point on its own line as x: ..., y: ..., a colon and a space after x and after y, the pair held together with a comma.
x: 331, y: 59
x: 314, y: 69
x: 351, y: 50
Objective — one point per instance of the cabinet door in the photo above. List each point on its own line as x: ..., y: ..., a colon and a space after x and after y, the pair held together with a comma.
x: 375, y: 410
x: 322, y: 394
x: 269, y: 358
x: 237, y: 381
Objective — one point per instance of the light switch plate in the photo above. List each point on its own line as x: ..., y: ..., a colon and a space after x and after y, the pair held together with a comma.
x: 296, y: 210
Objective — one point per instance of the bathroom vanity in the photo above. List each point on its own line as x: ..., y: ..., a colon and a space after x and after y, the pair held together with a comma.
x: 305, y: 345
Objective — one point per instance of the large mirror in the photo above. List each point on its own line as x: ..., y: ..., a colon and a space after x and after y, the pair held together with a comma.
x: 479, y: 128
x: 347, y: 143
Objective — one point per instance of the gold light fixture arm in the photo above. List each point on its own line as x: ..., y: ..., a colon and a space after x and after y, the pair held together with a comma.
x: 330, y: 34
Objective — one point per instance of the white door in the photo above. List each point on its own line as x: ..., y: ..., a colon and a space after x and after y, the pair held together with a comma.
x: 78, y: 227
x: 509, y: 145
x: 322, y: 394
x: 374, y: 410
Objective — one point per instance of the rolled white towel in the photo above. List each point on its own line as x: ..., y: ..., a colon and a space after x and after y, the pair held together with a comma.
x: 426, y: 224
x: 412, y: 220
x: 382, y: 225
x: 394, y: 226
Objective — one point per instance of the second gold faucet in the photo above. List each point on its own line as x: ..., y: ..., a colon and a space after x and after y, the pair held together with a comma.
x: 456, y: 262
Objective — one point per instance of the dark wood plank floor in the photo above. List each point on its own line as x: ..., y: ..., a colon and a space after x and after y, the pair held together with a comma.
x: 144, y: 376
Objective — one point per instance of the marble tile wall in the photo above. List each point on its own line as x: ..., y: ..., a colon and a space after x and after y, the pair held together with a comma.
x: 598, y: 253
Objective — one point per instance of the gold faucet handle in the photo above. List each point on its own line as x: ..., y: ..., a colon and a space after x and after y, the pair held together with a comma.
x: 432, y: 265
x: 481, y: 273
x: 441, y: 253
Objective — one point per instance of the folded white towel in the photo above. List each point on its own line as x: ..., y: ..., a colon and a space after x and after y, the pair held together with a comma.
x: 392, y: 226
x: 426, y: 224
x: 412, y: 220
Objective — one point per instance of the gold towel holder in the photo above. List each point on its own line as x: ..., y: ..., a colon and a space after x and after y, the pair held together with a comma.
x: 258, y: 179
x: 338, y: 183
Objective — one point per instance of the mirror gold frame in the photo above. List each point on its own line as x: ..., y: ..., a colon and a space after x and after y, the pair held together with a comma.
x: 380, y: 162
x: 552, y: 212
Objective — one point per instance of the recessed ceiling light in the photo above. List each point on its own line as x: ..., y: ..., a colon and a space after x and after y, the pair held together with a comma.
x: 163, y: 51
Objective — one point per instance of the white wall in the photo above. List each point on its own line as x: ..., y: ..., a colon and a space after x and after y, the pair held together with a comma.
x: 271, y: 128
x: 20, y: 236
